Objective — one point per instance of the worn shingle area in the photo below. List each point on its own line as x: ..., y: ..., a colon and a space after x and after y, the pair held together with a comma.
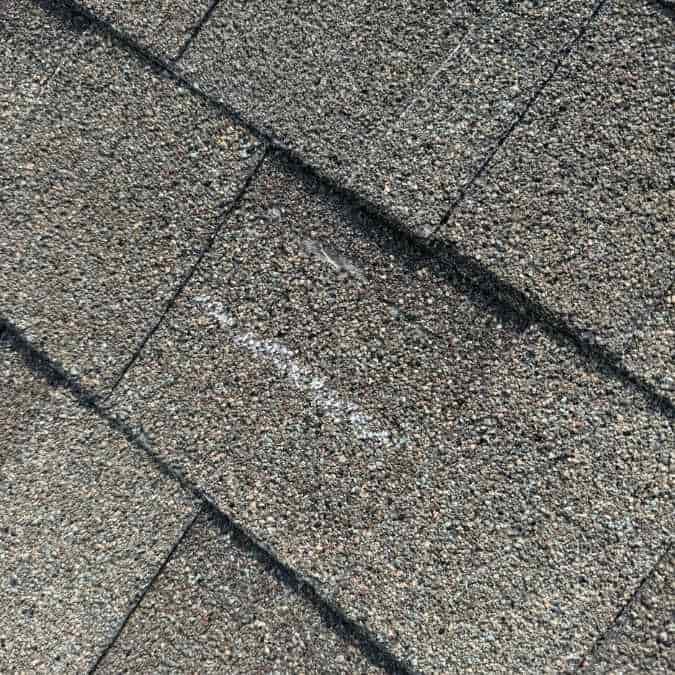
x: 577, y: 209
x: 464, y: 486
x: 85, y: 522
x: 217, y: 609
x: 112, y: 188
x: 162, y: 27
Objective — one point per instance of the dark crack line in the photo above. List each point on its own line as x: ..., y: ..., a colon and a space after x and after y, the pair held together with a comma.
x: 465, y: 272
x: 196, y: 29
x: 583, y: 662
x: 504, y: 137
x: 140, y: 596
x: 331, y: 614
x: 334, y: 617
x: 221, y: 219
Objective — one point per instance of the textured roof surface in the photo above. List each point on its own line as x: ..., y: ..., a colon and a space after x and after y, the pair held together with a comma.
x: 86, y: 521
x: 337, y: 337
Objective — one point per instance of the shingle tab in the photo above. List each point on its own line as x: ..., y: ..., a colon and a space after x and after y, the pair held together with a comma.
x: 85, y: 522
x: 112, y: 186
x: 31, y: 51
x: 578, y: 208
x: 217, y: 606
x: 465, y: 487
x: 398, y: 100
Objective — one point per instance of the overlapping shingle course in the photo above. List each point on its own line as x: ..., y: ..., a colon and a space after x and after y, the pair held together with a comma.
x: 465, y: 458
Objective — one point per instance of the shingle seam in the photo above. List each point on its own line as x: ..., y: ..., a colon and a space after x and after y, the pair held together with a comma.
x: 41, y: 365
x: 171, y: 70
x: 461, y: 49
x: 203, y: 20
x: 635, y: 595
x: 508, y: 303
x: 465, y: 272
x: 138, y: 599
x: 221, y: 219
x: 563, y: 54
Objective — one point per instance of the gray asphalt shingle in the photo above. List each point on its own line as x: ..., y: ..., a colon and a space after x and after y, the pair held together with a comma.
x: 31, y: 50
x: 85, y: 523
x: 112, y: 189
x: 398, y: 100
x: 642, y: 641
x: 577, y: 210
x: 218, y: 607
x: 467, y: 489
x: 161, y: 27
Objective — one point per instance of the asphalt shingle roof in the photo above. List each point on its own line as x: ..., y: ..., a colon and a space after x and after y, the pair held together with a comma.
x: 86, y: 521
x: 161, y: 27
x: 640, y: 639
x: 336, y: 336
x: 577, y: 209
x: 376, y: 456
x: 216, y: 609
x: 123, y: 151
x: 399, y: 100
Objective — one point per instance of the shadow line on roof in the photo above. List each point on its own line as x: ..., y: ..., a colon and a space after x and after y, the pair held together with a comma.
x: 509, y: 304
x: 42, y: 366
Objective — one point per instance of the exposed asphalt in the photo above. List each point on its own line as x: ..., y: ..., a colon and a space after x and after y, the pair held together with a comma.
x: 366, y: 368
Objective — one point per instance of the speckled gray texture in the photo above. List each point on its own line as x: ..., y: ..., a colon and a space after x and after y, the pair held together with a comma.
x: 109, y: 193
x: 85, y: 521
x: 643, y: 638
x: 470, y: 492
x: 398, y: 100
x: 216, y: 609
x: 163, y: 27
x: 577, y: 210
x: 31, y: 49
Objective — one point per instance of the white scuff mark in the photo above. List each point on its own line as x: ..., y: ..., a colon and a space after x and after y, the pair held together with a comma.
x: 444, y: 65
x: 302, y: 377
x: 341, y: 264
x: 329, y: 260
